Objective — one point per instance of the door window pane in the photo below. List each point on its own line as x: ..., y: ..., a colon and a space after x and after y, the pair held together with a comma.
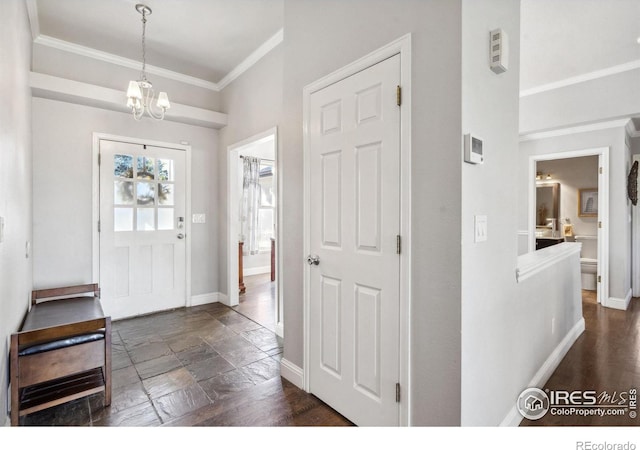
x: 123, y: 192
x: 122, y: 219
x: 165, y: 169
x: 165, y: 194
x: 145, y: 168
x: 145, y: 194
x: 165, y: 219
x: 123, y: 166
x: 146, y: 220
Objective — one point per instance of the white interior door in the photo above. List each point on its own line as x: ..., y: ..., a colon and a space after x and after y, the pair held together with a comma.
x: 142, y: 228
x: 354, y: 163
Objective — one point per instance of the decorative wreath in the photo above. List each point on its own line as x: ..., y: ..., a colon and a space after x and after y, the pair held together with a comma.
x: 632, y: 184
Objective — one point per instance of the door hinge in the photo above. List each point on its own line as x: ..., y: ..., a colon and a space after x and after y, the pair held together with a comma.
x: 599, y: 279
x: 600, y: 169
x: 99, y: 158
x: 98, y: 226
x: 397, y: 392
x: 398, y: 244
x: 599, y: 224
x: 398, y: 95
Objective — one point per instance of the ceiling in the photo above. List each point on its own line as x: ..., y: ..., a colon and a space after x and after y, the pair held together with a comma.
x: 562, y: 39
x: 205, y: 39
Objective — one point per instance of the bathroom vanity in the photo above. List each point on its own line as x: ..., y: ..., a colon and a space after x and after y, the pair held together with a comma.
x: 543, y: 242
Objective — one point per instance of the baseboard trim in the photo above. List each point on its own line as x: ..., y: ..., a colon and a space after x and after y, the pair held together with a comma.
x: 620, y: 303
x: 204, y: 299
x: 513, y: 418
x: 292, y: 373
x: 223, y: 298
x: 256, y: 270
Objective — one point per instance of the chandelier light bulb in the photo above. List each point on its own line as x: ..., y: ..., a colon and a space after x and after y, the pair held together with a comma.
x: 163, y: 101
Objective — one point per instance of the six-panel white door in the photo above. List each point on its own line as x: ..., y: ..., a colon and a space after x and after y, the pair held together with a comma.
x: 354, y: 161
x: 142, y: 228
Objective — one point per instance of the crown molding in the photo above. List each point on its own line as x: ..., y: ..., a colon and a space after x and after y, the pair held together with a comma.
x: 32, y: 11
x: 534, y: 136
x: 70, y: 91
x: 632, y: 130
x: 252, y: 59
x: 89, y: 52
x: 621, y: 68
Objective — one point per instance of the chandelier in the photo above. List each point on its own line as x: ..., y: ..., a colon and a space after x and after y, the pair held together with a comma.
x: 140, y: 94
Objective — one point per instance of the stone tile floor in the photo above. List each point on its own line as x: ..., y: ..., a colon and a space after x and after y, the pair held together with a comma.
x: 174, y: 366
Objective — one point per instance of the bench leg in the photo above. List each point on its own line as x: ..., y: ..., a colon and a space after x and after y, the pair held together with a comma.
x: 107, y: 363
x: 15, y: 381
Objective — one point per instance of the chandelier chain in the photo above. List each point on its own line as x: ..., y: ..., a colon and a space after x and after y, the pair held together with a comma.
x: 144, y: 47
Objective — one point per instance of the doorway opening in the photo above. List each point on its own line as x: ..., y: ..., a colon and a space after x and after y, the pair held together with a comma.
x: 253, y: 240
x: 569, y: 202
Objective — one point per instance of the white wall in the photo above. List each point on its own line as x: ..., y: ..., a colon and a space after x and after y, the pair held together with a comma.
x: 635, y: 145
x: 253, y: 103
x: 62, y: 171
x: 323, y: 36
x: 619, y: 205
x: 15, y: 178
x: 572, y: 175
x: 492, y: 314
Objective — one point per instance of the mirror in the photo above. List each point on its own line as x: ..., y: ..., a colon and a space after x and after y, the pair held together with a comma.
x: 548, y: 210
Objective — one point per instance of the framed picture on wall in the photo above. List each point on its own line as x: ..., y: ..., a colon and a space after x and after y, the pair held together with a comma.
x: 588, y: 203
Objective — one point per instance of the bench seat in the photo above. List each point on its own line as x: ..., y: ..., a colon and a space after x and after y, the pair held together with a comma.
x: 62, y: 351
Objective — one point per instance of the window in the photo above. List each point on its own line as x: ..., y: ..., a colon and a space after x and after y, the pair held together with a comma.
x: 266, y: 212
x: 143, y: 193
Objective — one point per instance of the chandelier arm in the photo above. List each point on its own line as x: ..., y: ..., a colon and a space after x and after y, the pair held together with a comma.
x: 148, y: 103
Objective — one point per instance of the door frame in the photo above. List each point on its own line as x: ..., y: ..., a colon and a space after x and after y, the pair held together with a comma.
x: 635, y: 244
x: 233, y: 226
x: 603, y: 209
x: 401, y: 46
x: 95, y: 189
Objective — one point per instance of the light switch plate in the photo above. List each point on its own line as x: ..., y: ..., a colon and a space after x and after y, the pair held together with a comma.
x: 480, y: 228
x: 199, y: 218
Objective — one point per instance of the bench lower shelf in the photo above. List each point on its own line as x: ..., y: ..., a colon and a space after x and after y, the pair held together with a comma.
x: 45, y: 395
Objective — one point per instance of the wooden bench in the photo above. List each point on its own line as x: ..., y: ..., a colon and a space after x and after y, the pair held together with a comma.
x: 62, y: 351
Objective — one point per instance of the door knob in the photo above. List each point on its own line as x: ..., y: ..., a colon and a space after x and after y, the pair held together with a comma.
x: 313, y: 260
x: 180, y: 236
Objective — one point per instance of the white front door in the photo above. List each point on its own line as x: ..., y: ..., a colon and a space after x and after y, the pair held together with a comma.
x: 354, y: 167
x: 142, y: 228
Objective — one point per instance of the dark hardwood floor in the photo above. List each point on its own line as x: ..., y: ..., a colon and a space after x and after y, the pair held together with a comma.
x: 211, y: 365
x: 207, y: 365
x: 606, y: 357
x: 258, y: 303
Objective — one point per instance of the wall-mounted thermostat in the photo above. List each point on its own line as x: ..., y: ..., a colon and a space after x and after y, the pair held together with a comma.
x: 498, y: 51
x: 473, y: 149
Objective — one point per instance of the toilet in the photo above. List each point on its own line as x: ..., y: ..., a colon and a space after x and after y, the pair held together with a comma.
x: 588, y: 261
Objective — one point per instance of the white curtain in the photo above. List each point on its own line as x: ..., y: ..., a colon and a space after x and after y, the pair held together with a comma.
x: 249, y: 204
